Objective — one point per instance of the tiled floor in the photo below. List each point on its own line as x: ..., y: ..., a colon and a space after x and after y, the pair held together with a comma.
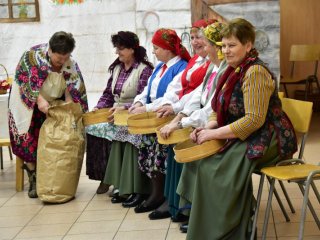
x: 92, y: 216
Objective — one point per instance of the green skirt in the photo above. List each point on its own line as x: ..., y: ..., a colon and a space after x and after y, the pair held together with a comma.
x: 223, y: 201
x: 172, y: 179
x: 186, y: 185
x: 123, y: 171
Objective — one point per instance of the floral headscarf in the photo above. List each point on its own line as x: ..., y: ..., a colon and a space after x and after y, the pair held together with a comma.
x: 168, y: 39
x: 213, y: 34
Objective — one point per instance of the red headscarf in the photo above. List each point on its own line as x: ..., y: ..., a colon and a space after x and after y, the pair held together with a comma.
x: 168, y: 39
x: 202, y: 23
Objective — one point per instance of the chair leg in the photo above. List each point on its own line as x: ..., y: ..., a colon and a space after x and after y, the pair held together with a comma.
x: 268, y: 208
x: 256, y: 212
x: 287, y: 197
x: 285, y: 214
x: 313, y: 212
x: 1, y: 158
x: 10, y: 153
x: 285, y: 90
x: 19, y: 175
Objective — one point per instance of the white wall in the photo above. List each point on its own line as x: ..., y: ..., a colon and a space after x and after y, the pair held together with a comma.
x: 92, y: 24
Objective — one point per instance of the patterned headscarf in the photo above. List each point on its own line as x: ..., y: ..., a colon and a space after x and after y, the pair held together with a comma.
x: 202, y: 23
x: 213, y: 34
x: 168, y: 39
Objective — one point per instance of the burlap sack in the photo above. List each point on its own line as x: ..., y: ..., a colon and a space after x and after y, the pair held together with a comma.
x: 60, y: 153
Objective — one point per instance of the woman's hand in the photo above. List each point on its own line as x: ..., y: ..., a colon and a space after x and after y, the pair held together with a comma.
x: 140, y: 109
x: 68, y: 97
x: 194, y: 134
x: 114, y: 110
x: 165, y: 110
x: 43, y: 104
x: 136, y: 105
x: 205, y: 135
x: 168, y: 129
x: 211, y: 125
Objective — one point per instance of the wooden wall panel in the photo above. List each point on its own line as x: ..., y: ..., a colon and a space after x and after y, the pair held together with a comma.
x: 299, y: 24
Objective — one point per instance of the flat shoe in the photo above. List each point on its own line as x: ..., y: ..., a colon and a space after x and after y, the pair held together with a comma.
x: 184, y: 228
x: 139, y: 198
x: 159, y: 215
x: 180, y: 218
x: 141, y: 208
x: 117, y: 199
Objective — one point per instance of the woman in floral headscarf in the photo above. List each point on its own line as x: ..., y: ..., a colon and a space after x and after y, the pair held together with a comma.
x: 174, y: 57
x: 257, y: 133
x: 45, y: 72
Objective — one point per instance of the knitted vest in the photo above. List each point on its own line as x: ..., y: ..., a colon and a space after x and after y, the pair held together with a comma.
x: 129, y: 88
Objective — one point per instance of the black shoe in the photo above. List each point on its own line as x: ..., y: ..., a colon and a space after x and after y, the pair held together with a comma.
x: 141, y: 208
x: 184, y: 228
x: 159, y: 215
x: 117, y: 199
x: 134, y: 200
x: 180, y: 218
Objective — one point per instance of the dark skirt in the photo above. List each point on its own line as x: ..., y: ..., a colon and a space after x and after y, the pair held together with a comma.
x: 123, y: 170
x: 152, y: 155
x: 174, y: 170
x: 26, y: 145
x: 98, y: 150
x: 223, y: 201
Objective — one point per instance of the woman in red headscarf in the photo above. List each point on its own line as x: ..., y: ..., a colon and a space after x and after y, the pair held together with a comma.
x: 173, y: 59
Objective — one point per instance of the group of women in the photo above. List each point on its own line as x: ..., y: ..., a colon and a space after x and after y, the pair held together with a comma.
x: 223, y: 92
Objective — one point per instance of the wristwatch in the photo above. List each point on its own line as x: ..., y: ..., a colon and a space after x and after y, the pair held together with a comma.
x: 179, y: 124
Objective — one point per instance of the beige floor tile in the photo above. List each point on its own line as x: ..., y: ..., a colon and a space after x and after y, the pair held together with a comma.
x: 95, y: 227
x: 71, y: 206
x: 54, y: 218
x: 292, y: 229
x: 143, y: 224
x: 9, y: 232
x: 103, y: 205
x: 21, y: 210
x: 175, y: 234
x: 93, y: 236
x: 103, y: 215
x: 14, y: 221
x: 41, y: 231
x: 158, y: 234
x: 43, y: 238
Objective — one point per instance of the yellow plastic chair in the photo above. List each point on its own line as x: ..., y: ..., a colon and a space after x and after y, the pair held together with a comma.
x: 303, y: 53
x: 295, y: 170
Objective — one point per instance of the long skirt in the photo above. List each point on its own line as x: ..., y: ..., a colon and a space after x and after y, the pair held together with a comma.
x: 98, y: 150
x: 25, y: 146
x: 186, y: 185
x: 223, y: 201
x: 152, y: 155
x: 172, y: 179
x: 123, y: 170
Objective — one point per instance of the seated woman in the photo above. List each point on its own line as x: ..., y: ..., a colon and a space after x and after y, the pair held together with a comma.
x: 257, y: 133
x: 152, y: 155
x: 129, y: 75
x: 196, y: 105
x: 45, y: 72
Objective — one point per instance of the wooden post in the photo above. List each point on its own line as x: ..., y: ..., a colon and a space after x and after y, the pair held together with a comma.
x: 19, y: 175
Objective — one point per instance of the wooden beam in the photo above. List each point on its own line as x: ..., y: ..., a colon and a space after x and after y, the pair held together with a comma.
x: 214, y: 2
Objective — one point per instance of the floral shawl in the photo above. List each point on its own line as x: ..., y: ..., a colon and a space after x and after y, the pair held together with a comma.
x: 31, y: 72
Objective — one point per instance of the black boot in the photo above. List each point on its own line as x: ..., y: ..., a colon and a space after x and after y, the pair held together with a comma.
x: 32, y: 193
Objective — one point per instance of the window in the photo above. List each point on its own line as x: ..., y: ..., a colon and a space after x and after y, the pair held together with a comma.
x: 12, y: 11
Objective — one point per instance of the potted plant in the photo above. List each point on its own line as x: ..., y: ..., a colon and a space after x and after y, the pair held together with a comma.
x: 23, y: 10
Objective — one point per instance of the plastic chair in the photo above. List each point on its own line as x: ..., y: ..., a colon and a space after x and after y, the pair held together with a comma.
x: 295, y: 170
x: 303, y: 53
